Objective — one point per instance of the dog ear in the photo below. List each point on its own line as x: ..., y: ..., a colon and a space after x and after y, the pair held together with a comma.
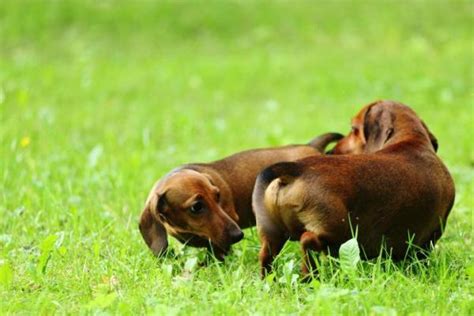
x: 378, y: 127
x: 368, y: 131
x: 367, y: 122
x: 225, y: 196
x: 433, y: 139
x: 152, y: 230
x: 209, y: 177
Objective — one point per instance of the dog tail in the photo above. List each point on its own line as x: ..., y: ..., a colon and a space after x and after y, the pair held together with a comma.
x: 283, y: 172
x: 322, y: 141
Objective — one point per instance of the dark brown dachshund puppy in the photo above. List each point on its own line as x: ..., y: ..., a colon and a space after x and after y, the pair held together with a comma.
x: 207, y: 205
x: 391, y: 188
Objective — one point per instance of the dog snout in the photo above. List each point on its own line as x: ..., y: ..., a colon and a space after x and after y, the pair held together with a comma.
x: 236, y: 235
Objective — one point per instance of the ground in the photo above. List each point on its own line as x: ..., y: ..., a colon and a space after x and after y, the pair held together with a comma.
x: 98, y: 99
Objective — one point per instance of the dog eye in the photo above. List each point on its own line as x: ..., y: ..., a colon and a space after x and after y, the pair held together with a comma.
x: 197, y: 207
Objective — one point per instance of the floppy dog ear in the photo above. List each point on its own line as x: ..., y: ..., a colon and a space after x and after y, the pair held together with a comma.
x: 225, y: 195
x: 366, y: 121
x: 152, y: 230
x: 433, y: 139
x: 208, y: 177
x: 378, y: 127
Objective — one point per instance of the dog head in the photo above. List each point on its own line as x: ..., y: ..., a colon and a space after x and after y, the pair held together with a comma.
x: 188, y: 205
x: 381, y: 123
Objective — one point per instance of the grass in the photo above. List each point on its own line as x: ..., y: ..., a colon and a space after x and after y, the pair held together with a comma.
x: 98, y: 99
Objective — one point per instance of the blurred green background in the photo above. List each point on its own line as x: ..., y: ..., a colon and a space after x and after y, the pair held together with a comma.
x: 98, y: 99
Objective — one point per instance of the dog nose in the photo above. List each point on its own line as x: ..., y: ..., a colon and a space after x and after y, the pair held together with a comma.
x: 236, y: 236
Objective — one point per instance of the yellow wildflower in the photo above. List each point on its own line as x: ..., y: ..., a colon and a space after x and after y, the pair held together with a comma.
x: 25, y: 141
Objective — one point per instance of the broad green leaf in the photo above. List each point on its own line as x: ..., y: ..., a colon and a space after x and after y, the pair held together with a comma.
x: 349, y: 254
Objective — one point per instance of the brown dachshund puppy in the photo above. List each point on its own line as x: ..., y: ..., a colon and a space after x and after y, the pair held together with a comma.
x: 391, y: 189
x: 207, y: 205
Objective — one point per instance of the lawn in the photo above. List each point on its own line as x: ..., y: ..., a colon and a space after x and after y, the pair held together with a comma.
x: 98, y: 99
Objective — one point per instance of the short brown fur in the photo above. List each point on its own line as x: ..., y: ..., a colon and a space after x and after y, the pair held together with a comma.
x: 207, y: 204
x: 384, y: 179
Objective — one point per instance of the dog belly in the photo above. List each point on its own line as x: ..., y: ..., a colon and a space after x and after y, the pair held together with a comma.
x: 396, y: 235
